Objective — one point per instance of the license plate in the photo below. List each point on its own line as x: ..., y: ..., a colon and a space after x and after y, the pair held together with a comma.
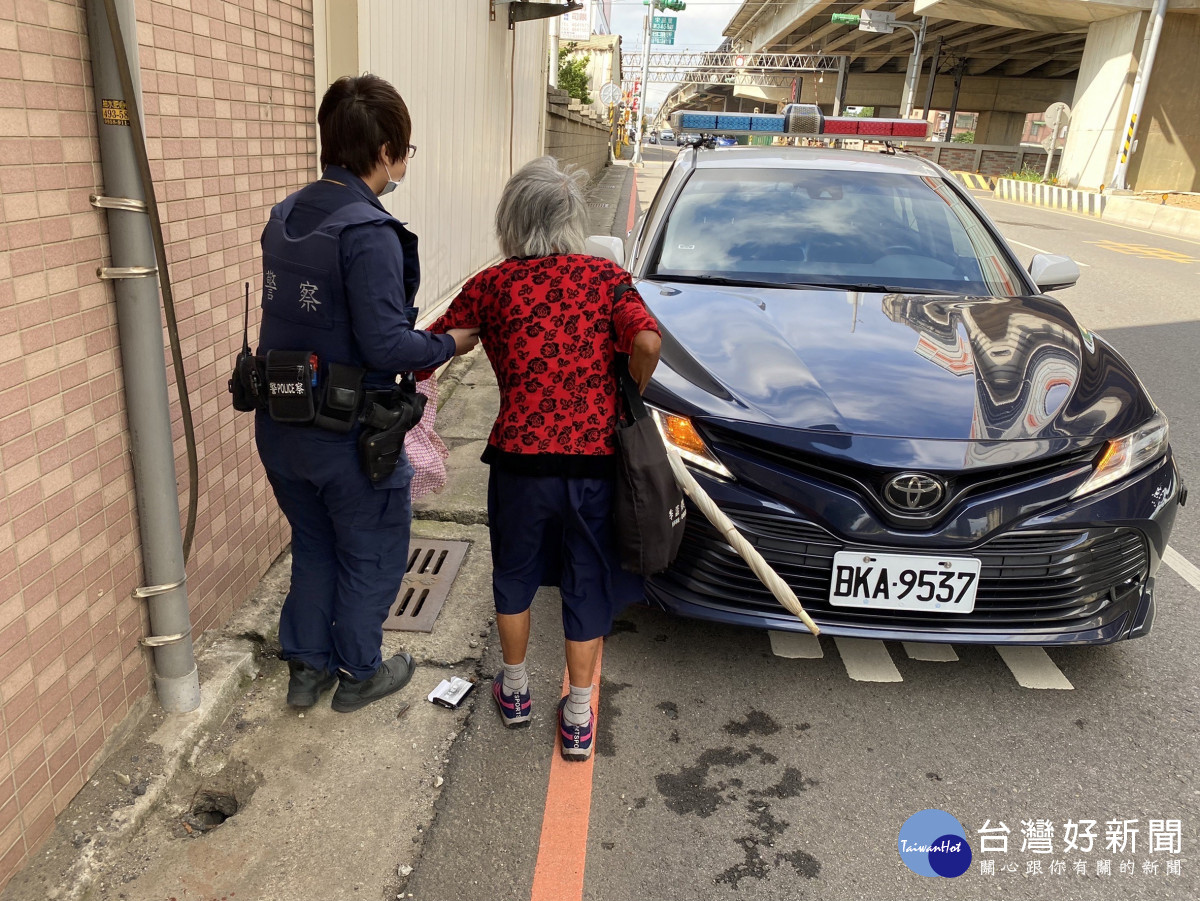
x: 904, y: 582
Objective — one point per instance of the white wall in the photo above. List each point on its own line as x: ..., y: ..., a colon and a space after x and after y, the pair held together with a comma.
x: 477, y: 95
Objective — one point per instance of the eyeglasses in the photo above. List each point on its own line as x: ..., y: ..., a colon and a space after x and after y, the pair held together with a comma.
x: 412, y: 151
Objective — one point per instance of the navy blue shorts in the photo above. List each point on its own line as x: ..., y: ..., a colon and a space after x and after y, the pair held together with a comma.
x: 551, y: 530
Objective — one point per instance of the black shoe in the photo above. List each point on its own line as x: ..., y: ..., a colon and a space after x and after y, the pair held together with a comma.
x: 393, y: 674
x: 307, y: 684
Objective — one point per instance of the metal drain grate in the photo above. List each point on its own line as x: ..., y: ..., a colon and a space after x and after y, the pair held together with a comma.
x: 432, y: 566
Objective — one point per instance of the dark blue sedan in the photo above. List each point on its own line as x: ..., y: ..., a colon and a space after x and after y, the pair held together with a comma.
x: 923, y: 444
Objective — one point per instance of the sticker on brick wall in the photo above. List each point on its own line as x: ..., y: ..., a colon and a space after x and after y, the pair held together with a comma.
x: 115, y: 112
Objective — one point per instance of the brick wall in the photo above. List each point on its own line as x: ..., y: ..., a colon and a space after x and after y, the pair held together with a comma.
x: 228, y: 93
x: 998, y: 162
x: 572, y: 137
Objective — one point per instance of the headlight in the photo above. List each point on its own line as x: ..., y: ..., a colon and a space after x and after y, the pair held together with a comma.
x: 679, y: 434
x: 1124, y: 455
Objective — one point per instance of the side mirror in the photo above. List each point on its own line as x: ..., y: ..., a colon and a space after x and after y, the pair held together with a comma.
x: 1051, y: 271
x: 612, y: 248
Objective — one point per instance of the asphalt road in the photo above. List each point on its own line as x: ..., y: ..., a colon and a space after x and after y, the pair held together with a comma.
x: 725, y: 770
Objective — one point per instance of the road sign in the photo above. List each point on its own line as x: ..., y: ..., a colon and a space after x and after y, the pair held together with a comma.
x: 662, y: 37
x: 1056, y: 116
x: 610, y: 93
x: 1058, y: 110
x: 663, y: 23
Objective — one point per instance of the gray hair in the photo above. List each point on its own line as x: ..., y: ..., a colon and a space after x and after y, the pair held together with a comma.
x: 542, y: 210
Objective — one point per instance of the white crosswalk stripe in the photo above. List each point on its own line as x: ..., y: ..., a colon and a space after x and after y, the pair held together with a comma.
x: 796, y: 645
x: 1183, y: 566
x: 1033, y: 667
x: 867, y: 660
x: 938, y: 653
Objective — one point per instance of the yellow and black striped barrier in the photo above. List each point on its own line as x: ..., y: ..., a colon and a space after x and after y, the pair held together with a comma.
x: 975, y: 180
x: 1128, y: 137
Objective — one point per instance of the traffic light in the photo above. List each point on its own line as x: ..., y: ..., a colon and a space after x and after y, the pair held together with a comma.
x: 673, y: 5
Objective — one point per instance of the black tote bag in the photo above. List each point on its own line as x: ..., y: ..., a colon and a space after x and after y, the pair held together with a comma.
x: 648, y: 509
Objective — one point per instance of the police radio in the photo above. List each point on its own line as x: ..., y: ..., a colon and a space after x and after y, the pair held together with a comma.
x: 245, y: 384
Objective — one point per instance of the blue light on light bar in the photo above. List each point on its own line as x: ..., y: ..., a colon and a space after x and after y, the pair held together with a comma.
x: 768, y: 123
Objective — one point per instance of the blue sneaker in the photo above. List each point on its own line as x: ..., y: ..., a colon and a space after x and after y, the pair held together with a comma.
x: 514, y: 709
x: 575, y: 742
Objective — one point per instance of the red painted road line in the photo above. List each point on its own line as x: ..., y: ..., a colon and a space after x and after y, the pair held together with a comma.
x: 633, y: 205
x: 562, y: 849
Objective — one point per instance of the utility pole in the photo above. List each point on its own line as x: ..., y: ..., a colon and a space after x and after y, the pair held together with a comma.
x: 651, y: 6
x: 914, y: 68
x: 637, y: 135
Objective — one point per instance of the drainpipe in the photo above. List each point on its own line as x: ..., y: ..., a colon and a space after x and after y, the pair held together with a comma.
x: 112, y: 39
x: 1140, y: 81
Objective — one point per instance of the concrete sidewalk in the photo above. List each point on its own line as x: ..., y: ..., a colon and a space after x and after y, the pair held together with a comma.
x: 316, y: 805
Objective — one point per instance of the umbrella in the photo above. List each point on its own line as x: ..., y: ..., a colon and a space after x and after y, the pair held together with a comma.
x: 737, y: 541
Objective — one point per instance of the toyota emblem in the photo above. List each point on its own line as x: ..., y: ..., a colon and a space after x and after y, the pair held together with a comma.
x: 914, y: 492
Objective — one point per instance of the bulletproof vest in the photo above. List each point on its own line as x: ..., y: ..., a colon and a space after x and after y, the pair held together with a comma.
x: 303, y: 300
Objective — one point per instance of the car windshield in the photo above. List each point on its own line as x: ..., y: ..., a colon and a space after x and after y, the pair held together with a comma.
x: 854, y: 229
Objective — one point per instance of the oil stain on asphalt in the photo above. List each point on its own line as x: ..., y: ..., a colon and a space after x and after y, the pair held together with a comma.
x: 694, y: 791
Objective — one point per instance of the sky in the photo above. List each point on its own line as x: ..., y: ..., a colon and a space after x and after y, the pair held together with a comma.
x: 700, y: 26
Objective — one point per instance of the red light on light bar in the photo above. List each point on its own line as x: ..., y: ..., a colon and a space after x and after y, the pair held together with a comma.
x: 910, y: 128
x: 841, y: 126
x: 875, y: 127
x: 883, y: 128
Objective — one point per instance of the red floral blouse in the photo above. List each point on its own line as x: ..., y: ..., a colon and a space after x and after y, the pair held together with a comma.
x: 550, y: 329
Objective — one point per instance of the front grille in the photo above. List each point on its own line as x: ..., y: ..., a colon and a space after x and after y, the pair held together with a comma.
x: 1027, y: 579
x: 868, y: 482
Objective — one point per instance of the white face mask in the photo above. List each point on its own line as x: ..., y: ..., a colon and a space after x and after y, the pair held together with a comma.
x: 391, y: 184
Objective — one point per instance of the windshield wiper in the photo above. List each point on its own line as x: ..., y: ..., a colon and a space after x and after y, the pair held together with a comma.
x: 737, y: 282
x: 796, y: 286
x: 877, y: 288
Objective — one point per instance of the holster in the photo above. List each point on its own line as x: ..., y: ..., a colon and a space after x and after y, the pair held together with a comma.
x: 387, y: 417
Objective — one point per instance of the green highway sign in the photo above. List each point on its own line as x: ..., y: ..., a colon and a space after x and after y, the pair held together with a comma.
x: 663, y: 23
x: 662, y: 37
x: 844, y: 19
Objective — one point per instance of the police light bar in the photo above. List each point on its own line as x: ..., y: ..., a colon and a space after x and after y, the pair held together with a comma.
x: 796, y: 120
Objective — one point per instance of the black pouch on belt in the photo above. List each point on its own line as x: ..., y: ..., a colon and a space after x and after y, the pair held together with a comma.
x: 290, y: 378
x: 341, y: 398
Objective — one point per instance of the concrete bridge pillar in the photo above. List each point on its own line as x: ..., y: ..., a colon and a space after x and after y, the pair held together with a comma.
x: 1167, y: 155
x: 996, y: 127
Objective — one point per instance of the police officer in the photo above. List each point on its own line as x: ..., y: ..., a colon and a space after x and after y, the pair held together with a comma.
x: 339, y: 279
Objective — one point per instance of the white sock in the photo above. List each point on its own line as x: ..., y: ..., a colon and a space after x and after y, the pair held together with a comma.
x: 578, y: 709
x: 516, y: 678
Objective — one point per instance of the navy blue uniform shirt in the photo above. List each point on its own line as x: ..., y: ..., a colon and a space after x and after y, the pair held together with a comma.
x: 380, y: 275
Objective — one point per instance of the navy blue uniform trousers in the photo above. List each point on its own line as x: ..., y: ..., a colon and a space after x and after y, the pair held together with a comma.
x: 349, y: 545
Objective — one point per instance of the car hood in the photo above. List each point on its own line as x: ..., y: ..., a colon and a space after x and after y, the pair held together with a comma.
x: 954, y: 368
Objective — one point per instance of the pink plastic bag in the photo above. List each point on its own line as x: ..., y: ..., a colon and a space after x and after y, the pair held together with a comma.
x: 426, y: 451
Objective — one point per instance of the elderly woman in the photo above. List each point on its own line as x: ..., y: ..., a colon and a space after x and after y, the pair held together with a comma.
x: 552, y: 321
